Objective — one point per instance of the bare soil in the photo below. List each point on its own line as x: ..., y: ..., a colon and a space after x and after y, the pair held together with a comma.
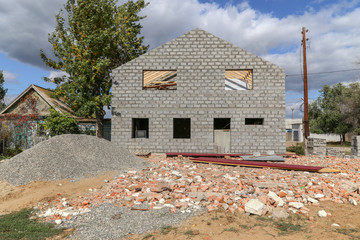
x: 25, y: 196
x: 214, y: 225
x: 221, y: 225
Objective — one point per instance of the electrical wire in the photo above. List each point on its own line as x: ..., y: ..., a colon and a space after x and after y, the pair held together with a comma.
x: 337, y: 71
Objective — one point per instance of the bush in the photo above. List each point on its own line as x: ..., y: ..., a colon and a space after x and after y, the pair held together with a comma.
x: 298, y: 149
x: 10, y: 152
x: 58, y: 123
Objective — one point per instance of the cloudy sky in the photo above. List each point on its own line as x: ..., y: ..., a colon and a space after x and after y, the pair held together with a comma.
x: 268, y: 28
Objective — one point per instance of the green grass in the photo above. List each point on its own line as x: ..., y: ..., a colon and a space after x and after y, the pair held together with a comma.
x: 338, y: 144
x: 18, y: 226
x: 298, y: 149
x: 244, y: 226
x: 264, y: 219
x: 349, y: 232
x: 287, y: 227
x: 232, y: 229
x: 191, y: 232
x: 148, y: 236
x: 167, y: 229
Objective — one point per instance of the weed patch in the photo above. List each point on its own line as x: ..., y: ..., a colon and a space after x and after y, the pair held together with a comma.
x: 167, y: 229
x: 148, y: 236
x: 192, y: 232
x: 19, y: 226
x: 232, y: 229
x: 287, y: 227
x: 349, y: 232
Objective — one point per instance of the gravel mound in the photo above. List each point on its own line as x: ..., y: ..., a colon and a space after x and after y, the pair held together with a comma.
x: 111, y: 222
x: 68, y: 157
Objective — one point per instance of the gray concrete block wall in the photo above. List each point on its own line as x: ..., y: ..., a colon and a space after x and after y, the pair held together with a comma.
x: 340, y: 153
x: 200, y: 60
x: 316, y: 146
x: 355, y: 146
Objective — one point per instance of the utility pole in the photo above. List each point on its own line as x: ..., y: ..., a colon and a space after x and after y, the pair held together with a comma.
x: 306, y: 103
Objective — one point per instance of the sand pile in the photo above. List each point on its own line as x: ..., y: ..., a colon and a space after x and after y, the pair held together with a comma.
x: 68, y: 157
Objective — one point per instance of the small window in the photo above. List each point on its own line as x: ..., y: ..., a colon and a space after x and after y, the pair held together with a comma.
x: 182, y: 127
x: 254, y: 121
x: 140, y: 128
x: 221, y: 123
x: 159, y: 79
x: 238, y: 80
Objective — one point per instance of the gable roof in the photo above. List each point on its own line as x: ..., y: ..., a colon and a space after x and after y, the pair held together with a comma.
x: 203, y: 37
x: 45, y: 94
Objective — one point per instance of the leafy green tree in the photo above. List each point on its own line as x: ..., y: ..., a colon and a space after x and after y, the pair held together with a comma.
x: 58, y: 123
x: 325, y: 113
x: 2, y: 91
x: 350, y: 107
x: 90, y: 40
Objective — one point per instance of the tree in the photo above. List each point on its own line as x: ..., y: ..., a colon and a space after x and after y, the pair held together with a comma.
x: 58, y: 123
x: 2, y: 91
x: 93, y: 38
x: 325, y: 113
x: 350, y: 106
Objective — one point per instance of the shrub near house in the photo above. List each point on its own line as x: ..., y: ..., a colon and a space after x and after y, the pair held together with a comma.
x: 58, y: 124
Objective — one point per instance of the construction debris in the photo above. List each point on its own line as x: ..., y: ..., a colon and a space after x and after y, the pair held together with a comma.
x: 182, y: 186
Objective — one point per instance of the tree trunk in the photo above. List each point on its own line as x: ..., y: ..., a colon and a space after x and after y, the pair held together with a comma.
x: 342, y: 138
x: 100, y: 124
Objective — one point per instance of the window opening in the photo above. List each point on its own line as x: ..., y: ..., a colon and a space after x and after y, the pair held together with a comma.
x: 159, y: 79
x: 238, y: 79
x: 254, y: 121
x: 182, y: 127
x: 221, y: 123
x: 140, y: 128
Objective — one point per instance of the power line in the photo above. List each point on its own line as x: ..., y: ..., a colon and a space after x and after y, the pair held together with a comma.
x: 344, y: 70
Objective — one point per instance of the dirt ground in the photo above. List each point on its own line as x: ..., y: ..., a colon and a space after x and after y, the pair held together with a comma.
x: 214, y: 225
x: 15, y: 198
x: 221, y: 225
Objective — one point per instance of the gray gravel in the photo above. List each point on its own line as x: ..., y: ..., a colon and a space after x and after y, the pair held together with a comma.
x: 68, y: 157
x: 111, y: 222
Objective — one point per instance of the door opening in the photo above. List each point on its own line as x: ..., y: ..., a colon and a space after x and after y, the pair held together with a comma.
x: 222, y: 128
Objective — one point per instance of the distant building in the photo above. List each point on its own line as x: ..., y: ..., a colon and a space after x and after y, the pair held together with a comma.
x: 294, y: 130
x: 25, y: 112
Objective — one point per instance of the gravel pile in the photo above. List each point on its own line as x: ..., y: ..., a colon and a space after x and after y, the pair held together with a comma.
x: 68, y: 157
x: 112, y: 222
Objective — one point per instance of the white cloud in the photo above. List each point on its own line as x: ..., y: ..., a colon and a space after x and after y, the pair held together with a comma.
x: 334, y: 33
x: 10, y: 77
x: 9, y: 98
x: 57, y: 74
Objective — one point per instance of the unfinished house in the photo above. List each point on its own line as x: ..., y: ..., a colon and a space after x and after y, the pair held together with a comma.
x: 199, y: 93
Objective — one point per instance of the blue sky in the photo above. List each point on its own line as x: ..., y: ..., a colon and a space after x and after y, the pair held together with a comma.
x: 268, y: 28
